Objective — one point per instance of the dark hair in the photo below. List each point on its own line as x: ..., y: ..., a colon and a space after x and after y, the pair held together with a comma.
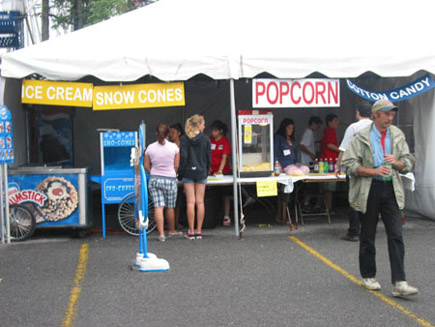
x: 162, y: 132
x: 282, y: 127
x: 330, y: 118
x: 364, y: 109
x: 314, y: 120
x: 220, y: 126
x: 178, y: 127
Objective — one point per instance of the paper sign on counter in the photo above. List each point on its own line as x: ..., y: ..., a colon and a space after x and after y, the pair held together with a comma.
x: 267, y: 188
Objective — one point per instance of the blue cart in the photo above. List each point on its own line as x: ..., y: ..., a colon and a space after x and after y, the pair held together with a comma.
x: 117, y: 180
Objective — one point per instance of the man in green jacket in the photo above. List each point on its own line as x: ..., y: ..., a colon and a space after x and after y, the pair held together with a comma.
x: 373, y: 160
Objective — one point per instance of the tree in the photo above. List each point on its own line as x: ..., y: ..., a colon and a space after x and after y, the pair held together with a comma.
x: 45, y: 21
x: 76, y: 14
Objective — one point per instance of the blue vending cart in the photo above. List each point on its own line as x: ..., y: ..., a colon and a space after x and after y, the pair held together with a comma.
x: 54, y: 197
x: 117, y: 178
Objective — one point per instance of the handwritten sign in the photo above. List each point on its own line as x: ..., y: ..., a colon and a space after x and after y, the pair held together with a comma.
x: 267, y: 188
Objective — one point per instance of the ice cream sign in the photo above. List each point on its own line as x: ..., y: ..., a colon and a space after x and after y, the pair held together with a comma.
x: 127, y: 96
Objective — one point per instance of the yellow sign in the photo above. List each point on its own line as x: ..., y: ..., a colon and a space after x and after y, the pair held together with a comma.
x: 103, y: 97
x: 267, y: 188
x: 139, y: 96
x: 247, y: 137
x: 57, y: 93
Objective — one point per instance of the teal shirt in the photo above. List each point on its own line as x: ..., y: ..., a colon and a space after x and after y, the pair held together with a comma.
x: 378, y: 151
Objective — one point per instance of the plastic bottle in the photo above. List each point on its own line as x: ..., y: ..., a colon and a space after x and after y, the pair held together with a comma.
x: 277, y: 168
x: 321, y: 166
x: 325, y: 166
x: 390, y: 175
x: 316, y: 166
x: 331, y: 165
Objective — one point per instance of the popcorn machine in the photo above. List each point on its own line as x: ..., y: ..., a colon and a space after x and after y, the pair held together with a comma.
x: 255, y: 133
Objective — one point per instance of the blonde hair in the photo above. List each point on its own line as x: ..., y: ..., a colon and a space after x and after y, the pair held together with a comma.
x: 192, y: 125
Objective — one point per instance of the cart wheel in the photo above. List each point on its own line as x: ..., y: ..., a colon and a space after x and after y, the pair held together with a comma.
x: 22, y: 223
x: 126, y: 216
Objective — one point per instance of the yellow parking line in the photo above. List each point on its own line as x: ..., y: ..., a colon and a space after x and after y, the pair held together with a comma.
x: 384, y: 298
x: 75, y: 291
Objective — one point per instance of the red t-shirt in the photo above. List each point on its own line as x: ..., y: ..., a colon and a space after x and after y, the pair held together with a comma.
x: 329, y: 136
x: 218, y: 149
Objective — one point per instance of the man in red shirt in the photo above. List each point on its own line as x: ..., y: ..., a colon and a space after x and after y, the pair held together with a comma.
x: 329, y: 150
x: 329, y: 143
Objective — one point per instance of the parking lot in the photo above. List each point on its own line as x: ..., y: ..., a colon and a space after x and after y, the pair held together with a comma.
x: 269, y: 277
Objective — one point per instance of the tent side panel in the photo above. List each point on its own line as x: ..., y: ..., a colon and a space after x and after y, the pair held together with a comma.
x: 422, y: 200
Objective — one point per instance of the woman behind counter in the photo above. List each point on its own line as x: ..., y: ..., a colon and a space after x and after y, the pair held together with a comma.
x: 285, y: 152
x: 194, y: 167
x: 220, y: 152
x: 161, y: 162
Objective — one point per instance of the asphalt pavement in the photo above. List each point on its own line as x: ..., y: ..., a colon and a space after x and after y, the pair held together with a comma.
x: 270, y: 277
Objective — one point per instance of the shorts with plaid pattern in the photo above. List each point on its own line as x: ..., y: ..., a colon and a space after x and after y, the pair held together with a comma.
x: 163, y: 191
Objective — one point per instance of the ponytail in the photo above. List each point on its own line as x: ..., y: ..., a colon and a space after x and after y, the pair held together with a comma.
x: 162, y: 132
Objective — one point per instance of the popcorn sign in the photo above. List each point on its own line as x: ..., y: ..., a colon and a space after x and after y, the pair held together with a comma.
x: 279, y: 93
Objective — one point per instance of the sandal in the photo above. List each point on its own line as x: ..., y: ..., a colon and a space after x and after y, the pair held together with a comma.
x: 175, y: 234
x: 227, y: 221
x: 198, y: 236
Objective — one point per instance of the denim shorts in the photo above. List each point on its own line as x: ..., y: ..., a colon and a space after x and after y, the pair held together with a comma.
x: 197, y: 181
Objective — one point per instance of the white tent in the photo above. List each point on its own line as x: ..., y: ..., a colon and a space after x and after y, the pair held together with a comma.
x: 230, y: 39
x: 175, y: 40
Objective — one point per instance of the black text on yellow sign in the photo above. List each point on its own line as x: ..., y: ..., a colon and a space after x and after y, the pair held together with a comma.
x: 139, y: 96
x: 103, y: 97
x: 267, y: 188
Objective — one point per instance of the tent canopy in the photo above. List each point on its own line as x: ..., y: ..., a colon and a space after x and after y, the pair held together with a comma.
x: 232, y: 39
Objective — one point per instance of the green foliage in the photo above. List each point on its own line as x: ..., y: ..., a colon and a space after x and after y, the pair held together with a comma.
x: 104, y: 9
x: 81, y: 13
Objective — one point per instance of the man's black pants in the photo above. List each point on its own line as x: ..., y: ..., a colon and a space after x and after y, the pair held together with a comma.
x: 382, y: 200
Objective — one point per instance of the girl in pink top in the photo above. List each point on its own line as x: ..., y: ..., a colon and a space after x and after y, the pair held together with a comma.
x: 161, y: 161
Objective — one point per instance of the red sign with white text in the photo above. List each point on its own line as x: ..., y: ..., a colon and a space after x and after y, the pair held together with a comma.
x: 279, y: 93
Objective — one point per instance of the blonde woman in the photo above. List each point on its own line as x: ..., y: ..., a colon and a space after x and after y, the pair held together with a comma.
x: 195, y: 158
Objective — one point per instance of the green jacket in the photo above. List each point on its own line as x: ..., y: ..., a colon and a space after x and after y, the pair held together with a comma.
x: 360, y: 153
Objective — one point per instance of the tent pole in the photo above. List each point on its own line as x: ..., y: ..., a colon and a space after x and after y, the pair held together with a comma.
x: 233, y: 157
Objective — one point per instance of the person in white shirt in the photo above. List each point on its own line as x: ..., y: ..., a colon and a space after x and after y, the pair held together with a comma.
x: 308, y: 151
x: 308, y: 154
x: 363, y: 114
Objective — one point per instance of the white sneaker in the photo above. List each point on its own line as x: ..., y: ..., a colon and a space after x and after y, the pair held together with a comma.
x: 371, y: 284
x: 402, y: 288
